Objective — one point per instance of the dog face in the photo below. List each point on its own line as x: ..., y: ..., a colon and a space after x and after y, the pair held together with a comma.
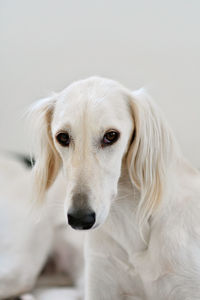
x: 88, y: 130
x: 91, y: 128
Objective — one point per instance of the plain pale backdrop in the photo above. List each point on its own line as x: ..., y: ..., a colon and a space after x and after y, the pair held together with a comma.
x: 46, y: 44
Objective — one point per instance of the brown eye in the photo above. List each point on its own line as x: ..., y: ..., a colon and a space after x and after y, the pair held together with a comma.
x: 63, y: 139
x: 110, y: 138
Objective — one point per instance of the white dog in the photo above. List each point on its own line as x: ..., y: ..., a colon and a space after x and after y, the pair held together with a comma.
x: 27, y: 238
x: 125, y: 177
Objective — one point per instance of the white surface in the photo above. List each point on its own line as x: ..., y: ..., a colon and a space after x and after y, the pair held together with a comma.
x: 47, y: 44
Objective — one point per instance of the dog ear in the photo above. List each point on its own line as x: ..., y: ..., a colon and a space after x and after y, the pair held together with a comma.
x: 149, y: 153
x: 47, y: 162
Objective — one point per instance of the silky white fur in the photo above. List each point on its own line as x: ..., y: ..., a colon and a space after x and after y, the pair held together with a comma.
x: 146, y: 241
x: 28, y: 236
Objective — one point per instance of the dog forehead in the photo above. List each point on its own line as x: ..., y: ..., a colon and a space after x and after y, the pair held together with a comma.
x: 93, y: 100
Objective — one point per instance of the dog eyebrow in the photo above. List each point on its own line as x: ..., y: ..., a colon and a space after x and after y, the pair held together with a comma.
x: 64, y: 127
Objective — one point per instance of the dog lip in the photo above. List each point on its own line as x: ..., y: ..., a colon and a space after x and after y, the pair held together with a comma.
x: 95, y: 226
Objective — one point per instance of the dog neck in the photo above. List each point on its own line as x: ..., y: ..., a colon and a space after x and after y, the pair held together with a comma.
x: 122, y: 220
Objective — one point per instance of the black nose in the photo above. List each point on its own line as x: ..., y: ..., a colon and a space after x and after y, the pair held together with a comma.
x: 81, y: 219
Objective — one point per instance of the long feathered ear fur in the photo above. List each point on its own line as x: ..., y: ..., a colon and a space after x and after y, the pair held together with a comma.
x: 47, y: 158
x: 150, y: 153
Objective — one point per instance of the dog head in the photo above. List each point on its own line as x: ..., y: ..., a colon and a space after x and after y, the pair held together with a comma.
x: 91, y: 129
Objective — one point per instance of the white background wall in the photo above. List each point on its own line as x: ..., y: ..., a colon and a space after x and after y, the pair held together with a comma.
x: 45, y: 44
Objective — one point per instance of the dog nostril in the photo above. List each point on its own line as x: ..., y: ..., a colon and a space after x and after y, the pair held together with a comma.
x: 81, y: 219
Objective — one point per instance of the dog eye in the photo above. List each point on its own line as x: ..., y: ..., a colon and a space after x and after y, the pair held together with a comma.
x: 110, y: 138
x: 63, y: 139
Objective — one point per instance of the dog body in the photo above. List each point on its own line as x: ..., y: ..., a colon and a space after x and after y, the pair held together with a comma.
x: 122, y: 266
x: 127, y: 180
x: 20, y: 237
x: 28, y: 236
